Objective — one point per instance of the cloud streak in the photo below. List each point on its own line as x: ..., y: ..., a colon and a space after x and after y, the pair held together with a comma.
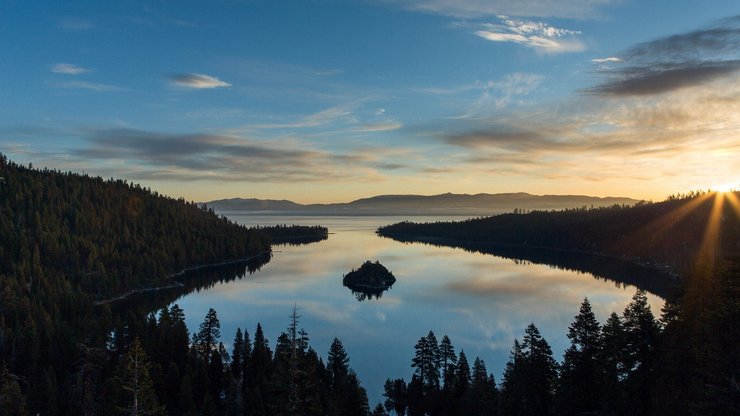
x: 197, y: 81
x: 606, y: 60
x: 90, y: 86
x: 539, y: 36
x: 68, y: 69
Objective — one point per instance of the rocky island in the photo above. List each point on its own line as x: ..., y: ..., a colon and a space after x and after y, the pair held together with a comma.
x: 371, y: 279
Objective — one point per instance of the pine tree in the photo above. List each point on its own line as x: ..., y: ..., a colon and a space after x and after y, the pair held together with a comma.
x: 482, y: 396
x: 641, y: 332
x: 462, y: 376
x: 541, y: 372
x: 512, y: 388
x: 337, y: 363
x: 237, y: 356
x: 448, y: 361
x: 396, y: 396
x: 427, y: 361
x: 348, y: 397
x: 581, y: 381
x: 530, y: 377
x: 209, y: 332
x: 135, y: 380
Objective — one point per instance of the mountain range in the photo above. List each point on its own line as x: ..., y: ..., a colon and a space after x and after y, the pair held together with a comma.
x: 442, y: 204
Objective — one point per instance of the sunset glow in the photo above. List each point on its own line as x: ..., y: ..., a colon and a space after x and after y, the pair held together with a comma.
x: 332, y: 101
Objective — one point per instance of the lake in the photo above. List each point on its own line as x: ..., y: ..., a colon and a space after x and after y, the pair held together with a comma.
x: 482, y: 302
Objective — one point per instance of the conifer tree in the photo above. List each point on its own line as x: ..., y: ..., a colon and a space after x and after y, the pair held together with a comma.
x: 581, y: 379
x: 462, y: 376
x: 206, y: 339
x: 540, y: 373
x: 237, y: 355
x: 396, y: 396
x: 482, y: 396
x: 448, y: 361
x: 427, y: 361
x: 135, y: 381
x: 641, y: 332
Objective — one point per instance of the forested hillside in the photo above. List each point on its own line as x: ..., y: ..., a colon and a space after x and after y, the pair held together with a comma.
x: 67, y: 240
x: 673, y: 233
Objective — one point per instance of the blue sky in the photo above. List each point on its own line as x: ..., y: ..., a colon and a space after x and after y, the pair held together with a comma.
x: 324, y: 101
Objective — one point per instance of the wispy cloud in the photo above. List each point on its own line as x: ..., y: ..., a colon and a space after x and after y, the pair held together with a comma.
x: 492, y: 94
x: 481, y: 8
x: 143, y: 154
x: 198, y: 81
x: 536, y: 35
x: 676, y: 62
x: 90, y: 86
x: 377, y: 127
x: 321, y: 118
x: 68, y: 69
x: 605, y: 60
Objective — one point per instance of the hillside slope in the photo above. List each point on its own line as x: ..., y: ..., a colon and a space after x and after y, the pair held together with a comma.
x: 67, y: 240
x: 675, y: 233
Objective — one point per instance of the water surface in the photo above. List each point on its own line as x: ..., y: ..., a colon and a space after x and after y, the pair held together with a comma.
x: 480, y: 301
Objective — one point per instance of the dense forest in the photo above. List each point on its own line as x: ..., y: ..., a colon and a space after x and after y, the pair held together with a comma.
x: 294, y: 234
x: 668, y: 235
x: 69, y: 240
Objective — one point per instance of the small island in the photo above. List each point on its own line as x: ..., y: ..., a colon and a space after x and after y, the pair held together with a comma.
x: 370, y: 280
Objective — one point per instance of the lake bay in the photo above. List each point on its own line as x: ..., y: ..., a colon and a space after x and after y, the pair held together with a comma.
x: 482, y: 302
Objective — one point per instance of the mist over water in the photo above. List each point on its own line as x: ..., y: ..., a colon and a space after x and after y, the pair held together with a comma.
x: 482, y: 302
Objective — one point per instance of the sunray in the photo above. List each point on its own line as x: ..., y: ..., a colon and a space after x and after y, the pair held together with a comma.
x: 708, y: 248
x: 734, y: 201
x: 637, y: 240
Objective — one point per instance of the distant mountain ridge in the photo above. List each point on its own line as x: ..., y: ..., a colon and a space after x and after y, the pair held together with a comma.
x: 442, y: 204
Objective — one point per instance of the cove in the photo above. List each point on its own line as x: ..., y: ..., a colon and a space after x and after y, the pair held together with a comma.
x: 481, y: 301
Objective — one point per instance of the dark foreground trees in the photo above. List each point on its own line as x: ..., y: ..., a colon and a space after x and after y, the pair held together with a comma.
x: 152, y: 368
x: 687, y: 363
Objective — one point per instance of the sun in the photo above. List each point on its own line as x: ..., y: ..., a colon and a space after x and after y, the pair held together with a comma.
x: 726, y: 187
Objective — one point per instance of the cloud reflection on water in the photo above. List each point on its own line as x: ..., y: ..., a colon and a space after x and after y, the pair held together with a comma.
x: 481, y: 301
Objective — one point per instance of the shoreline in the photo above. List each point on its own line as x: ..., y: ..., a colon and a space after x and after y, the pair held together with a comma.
x: 670, y: 276
x: 176, y: 285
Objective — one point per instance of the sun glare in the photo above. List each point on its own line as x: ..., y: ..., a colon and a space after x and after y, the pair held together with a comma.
x: 726, y: 187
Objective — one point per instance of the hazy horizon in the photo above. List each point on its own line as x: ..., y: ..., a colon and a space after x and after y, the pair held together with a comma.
x: 288, y: 199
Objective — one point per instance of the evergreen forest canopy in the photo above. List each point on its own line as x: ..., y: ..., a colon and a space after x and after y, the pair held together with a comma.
x: 294, y: 234
x: 69, y: 240
x: 671, y: 235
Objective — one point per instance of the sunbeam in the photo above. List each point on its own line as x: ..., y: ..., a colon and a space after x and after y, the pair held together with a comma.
x: 710, y: 241
x: 660, y: 226
x: 734, y: 202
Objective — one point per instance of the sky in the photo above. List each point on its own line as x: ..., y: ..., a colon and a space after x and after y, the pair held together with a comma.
x: 334, y: 100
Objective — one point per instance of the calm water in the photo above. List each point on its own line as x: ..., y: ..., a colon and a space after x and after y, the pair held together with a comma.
x: 480, y: 301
